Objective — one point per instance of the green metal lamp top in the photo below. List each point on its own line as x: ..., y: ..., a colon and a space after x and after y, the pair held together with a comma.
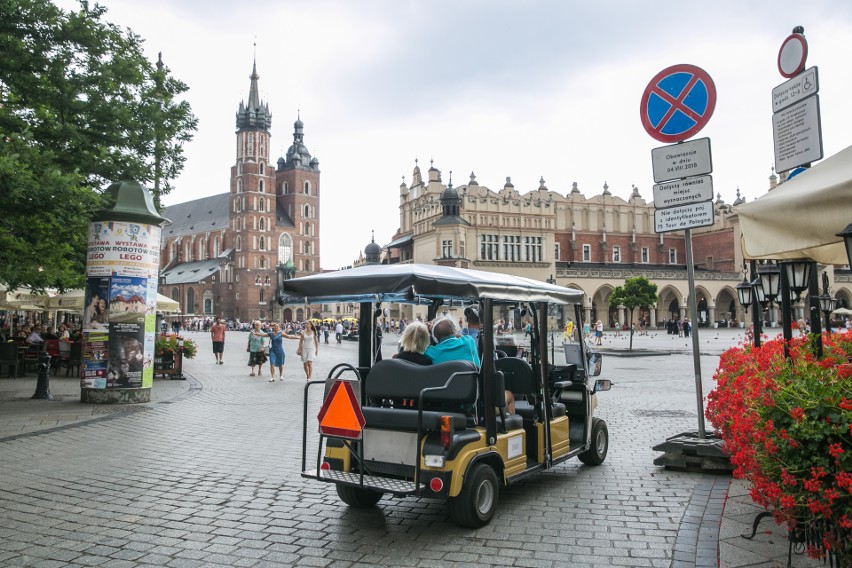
x: 130, y: 201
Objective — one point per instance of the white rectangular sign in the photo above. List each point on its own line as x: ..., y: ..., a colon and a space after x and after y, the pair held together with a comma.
x: 682, y: 160
x: 683, y: 217
x: 789, y: 92
x: 683, y: 191
x: 797, y: 134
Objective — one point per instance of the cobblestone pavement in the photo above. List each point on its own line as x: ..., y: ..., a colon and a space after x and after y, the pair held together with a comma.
x: 209, y: 476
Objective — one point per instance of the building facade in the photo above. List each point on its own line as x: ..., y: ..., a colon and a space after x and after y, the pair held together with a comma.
x: 589, y: 243
x: 219, y: 254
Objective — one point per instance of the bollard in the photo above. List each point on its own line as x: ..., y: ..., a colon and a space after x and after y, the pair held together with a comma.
x: 43, y: 385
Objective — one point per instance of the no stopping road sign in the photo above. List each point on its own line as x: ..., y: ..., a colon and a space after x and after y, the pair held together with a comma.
x: 677, y: 103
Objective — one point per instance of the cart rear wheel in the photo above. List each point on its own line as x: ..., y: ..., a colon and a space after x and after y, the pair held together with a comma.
x: 600, y: 444
x: 476, y: 504
x: 357, y: 497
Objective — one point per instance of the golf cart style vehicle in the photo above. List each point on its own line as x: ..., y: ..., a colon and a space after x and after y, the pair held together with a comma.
x: 389, y: 426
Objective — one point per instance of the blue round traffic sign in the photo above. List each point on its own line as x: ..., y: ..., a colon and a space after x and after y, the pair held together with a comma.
x: 677, y: 103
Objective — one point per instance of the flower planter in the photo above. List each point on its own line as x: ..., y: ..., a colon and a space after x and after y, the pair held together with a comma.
x: 169, y: 365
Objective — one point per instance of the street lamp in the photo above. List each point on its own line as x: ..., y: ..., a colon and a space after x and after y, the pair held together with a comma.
x: 744, y: 290
x: 847, y: 240
x: 770, y: 281
x: 798, y: 275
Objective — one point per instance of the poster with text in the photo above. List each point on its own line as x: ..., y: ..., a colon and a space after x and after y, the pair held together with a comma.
x: 95, y: 355
x: 128, y: 299
x: 96, y: 308
x: 123, y: 249
x: 126, y: 355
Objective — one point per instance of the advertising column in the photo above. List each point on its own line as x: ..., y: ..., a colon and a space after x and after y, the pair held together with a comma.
x: 119, y: 318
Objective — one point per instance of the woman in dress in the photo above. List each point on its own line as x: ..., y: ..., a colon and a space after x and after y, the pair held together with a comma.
x: 255, y: 349
x: 276, y: 351
x: 309, y: 348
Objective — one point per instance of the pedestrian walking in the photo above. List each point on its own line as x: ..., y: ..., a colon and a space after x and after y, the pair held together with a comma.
x: 338, y: 331
x: 217, y: 335
x: 598, y: 332
x: 276, y: 351
x: 308, y: 348
x: 255, y: 349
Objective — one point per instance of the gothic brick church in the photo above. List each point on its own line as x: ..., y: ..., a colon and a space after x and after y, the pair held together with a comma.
x: 219, y: 254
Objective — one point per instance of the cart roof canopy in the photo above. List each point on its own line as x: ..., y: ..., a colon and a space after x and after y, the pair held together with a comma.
x: 420, y: 283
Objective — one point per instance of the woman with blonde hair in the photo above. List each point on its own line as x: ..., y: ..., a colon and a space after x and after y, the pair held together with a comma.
x: 415, y: 340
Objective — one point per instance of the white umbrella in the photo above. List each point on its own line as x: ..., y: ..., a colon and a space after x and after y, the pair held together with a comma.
x: 801, y: 217
x: 75, y: 301
x: 842, y: 312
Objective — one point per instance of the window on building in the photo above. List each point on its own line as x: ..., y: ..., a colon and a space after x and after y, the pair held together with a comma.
x: 187, y: 251
x: 307, y: 247
x: 557, y: 252
x: 447, y: 248
x: 710, y: 263
x: 645, y: 259
x: 532, y: 249
x: 208, y: 306
x: 511, y: 248
x: 176, y: 295
x: 285, y: 248
x: 285, y: 188
x: 616, y: 254
x: 461, y: 249
x: 262, y: 243
x: 239, y: 186
x: 307, y: 188
x: 239, y: 243
x: 237, y: 296
x: 262, y: 296
x: 672, y: 256
x: 489, y: 248
x: 262, y: 205
x: 215, y: 247
x: 263, y: 262
x: 190, y: 300
x: 261, y: 170
x: 262, y: 224
x: 260, y: 186
x: 201, y: 250
x: 587, y: 253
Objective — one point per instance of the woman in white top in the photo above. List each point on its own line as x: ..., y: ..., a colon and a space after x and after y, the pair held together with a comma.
x: 309, y: 348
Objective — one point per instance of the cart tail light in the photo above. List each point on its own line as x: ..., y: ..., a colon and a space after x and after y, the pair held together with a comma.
x: 436, y: 484
x: 446, y: 430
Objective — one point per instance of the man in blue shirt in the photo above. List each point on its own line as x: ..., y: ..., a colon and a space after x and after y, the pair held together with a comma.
x: 450, y: 345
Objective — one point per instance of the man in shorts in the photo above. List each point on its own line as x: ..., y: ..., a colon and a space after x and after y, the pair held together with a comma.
x: 217, y: 333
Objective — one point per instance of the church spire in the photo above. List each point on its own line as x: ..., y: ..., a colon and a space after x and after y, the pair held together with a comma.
x: 255, y: 115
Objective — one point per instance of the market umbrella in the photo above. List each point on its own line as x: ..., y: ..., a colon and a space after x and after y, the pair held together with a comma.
x: 75, y: 301
x: 842, y: 312
x: 801, y: 217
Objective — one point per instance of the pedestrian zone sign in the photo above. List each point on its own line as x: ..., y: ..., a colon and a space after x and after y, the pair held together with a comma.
x: 341, y: 415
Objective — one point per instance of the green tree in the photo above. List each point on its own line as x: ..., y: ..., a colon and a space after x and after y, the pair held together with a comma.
x: 635, y: 293
x: 80, y: 108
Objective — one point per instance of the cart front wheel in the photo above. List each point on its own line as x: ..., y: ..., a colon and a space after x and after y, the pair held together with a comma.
x: 600, y: 444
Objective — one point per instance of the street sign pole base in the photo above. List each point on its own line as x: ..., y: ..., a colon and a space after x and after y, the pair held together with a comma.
x: 688, y: 452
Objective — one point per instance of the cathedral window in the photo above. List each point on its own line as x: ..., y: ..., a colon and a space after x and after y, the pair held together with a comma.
x: 262, y: 242
x: 284, y: 188
x: 239, y: 243
x: 239, y: 186
x: 176, y: 295
x: 201, y: 255
x: 307, y: 247
x: 307, y: 188
x: 261, y: 171
x: 190, y: 301
x: 285, y: 248
x: 262, y: 204
x: 260, y: 186
x: 187, y: 252
x: 308, y: 211
x: 262, y: 224
x: 216, y: 246
x: 263, y: 261
x: 261, y: 297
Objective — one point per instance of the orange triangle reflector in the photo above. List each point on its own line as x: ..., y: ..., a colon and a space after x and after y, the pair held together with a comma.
x: 340, y: 415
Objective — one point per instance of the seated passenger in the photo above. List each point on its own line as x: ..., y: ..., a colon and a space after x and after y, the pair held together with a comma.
x: 450, y: 345
x: 415, y: 340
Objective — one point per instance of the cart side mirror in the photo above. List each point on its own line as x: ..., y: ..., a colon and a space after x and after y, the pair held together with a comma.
x: 603, y: 385
x: 595, y: 364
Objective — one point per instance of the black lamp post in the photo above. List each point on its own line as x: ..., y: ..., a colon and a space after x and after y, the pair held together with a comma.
x: 847, y: 240
x: 826, y: 305
x: 798, y: 275
x: 770, y: 281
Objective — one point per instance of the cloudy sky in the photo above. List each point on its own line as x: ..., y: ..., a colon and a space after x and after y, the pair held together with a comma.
x: 526, y: 89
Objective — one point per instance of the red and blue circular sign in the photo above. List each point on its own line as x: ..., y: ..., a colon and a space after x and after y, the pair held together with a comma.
x: 677, y: 103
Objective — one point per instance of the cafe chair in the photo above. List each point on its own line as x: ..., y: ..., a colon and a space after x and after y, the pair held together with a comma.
x: 9, y: 358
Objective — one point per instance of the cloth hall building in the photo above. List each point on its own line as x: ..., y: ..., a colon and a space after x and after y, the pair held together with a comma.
x: 219, y: 254
x: 590, y: 243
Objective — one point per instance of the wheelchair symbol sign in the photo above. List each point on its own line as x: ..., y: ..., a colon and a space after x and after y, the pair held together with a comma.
x: 677, y: 103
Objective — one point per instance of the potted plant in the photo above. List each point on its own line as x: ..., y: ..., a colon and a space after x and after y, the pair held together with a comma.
x: 788, y: 427
x: 169, y: 351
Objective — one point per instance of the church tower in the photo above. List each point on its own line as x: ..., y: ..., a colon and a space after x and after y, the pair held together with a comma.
x: 297, y: 183
x: 252, y: 209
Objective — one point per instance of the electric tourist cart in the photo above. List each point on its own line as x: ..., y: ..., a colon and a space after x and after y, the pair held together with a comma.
x: 391, y: 427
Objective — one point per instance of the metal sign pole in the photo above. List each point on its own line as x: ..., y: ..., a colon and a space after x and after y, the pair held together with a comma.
x: 693, y: 320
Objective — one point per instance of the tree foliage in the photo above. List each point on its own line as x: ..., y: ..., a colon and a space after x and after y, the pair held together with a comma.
x: 80, y: 108
x: 636, y: 292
